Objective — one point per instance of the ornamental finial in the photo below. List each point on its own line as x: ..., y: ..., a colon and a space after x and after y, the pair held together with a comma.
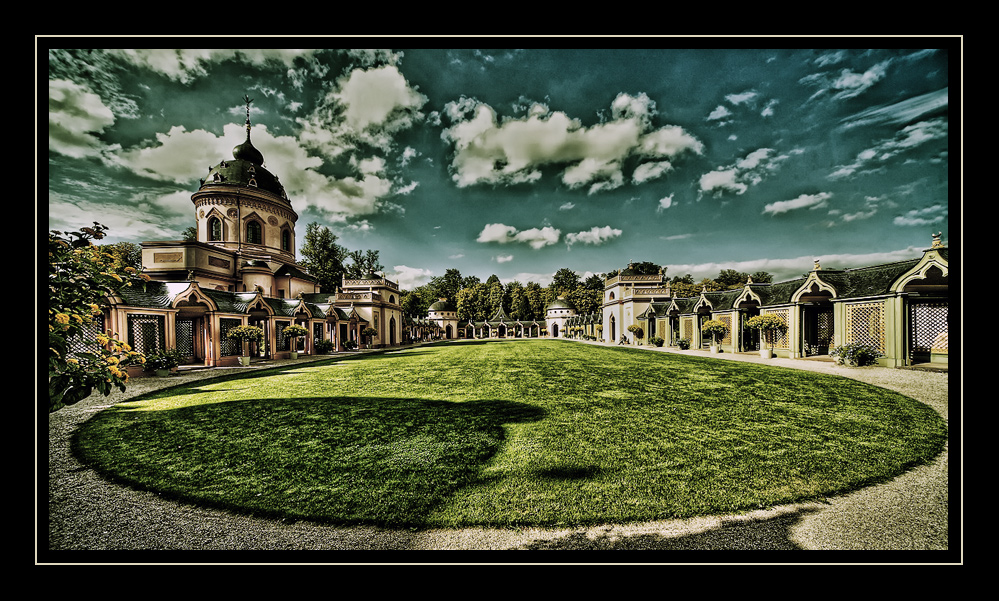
x: 937, y: 243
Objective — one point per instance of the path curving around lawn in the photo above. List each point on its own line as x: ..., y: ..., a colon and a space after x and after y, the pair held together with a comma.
x: 88, y: 514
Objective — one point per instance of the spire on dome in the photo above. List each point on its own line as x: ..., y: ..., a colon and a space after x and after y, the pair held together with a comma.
x: 246, y: 151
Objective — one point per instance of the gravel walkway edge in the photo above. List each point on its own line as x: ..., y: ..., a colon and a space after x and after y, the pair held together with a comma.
x: 89, y: 514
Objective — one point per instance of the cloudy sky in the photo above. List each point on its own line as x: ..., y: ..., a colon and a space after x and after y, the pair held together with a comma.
x: 519, y: 162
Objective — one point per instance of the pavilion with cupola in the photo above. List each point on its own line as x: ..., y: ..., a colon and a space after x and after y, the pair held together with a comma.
x: 241, y: 270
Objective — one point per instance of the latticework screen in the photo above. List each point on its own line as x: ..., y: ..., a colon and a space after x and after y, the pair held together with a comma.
x: 230, y: 348
x: 727, y: 320
x: 929, y: 328
x: 84, y: 343
x: 865, y: 324
x: 185, y: 337
x: 687, y: 328
x: 780, y: 338
x: 146, y: 333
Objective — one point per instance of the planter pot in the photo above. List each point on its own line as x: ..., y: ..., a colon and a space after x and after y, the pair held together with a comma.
x: 162, y: 373
x: 714, y: 349
x: 294, y: 354
x: 244, y: 361
x: 765, y: 353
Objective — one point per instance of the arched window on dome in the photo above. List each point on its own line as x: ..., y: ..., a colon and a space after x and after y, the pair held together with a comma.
x: 215, y: 229
x: 254, y: 232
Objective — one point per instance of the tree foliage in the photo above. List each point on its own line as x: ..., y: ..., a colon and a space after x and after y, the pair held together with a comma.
x: 82, y: 275
x: 329, y: 262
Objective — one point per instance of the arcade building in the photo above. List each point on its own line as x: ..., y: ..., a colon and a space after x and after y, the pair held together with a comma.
x: 241, y: 270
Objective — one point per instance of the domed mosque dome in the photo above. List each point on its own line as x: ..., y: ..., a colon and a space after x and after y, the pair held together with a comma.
x: 246, y: 167
x: 560, y: 303
x: 442, y: 305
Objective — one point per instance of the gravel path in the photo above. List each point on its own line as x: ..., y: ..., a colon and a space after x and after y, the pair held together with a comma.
x: 87, y: 513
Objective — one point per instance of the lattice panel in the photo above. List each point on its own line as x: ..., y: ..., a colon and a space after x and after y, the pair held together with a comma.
x: 85, y: 342
x: 865, y: 324
x: 281, y: 343
x: 317, y: 331
x: 687, y: 328
x: 146, y: 333
x: 780, y: 338
x: 929, y: 326
x: 727, y: 320
x: 185, y: 337
x: 230, y: 348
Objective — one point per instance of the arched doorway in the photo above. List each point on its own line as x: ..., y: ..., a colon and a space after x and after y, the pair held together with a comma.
x: 554, y: 330
x: 816, y: 321
x: 392, y: 341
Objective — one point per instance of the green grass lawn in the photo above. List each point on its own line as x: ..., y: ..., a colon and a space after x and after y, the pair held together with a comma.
x: 510, y: 433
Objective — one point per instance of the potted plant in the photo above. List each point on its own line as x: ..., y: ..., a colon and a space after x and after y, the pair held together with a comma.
x: 656, y: 341
x: 246, y: 335
x: 683, y: 343
x: 768, y: 325
x: 162, y: 362
x: 368, y: 332
x: 637, y: 331
x: 716, y: 328
x: 856, y: 354
x: 294, y: 332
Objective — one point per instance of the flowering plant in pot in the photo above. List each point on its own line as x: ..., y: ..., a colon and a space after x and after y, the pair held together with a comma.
x: 293, y: 333
x: 163, y: 361
x: 716, y: 328
x: 245, y: 335
x: 768, y: 325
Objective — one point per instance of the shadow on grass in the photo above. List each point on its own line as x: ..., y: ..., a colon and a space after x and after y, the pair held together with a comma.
x: 339, y: 460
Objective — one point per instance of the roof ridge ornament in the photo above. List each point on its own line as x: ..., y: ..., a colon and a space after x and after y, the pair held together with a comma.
x: 937, y: 242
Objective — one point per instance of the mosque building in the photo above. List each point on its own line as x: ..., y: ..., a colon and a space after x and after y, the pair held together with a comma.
x: 241, y: 270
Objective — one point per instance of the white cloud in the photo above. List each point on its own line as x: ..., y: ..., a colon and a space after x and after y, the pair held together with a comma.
x: 595, y: 236
x: 185, y: 65
x: 908, y: 138
x: 506, y: 234
x: 805, y: 201
x: 846, y: 84
x: 722, y: 180
x: 379, y: 99
x: 719, y: 113
x: 504, y: 258
x: 664, y: 203
x: 491, y: 151
x: 742, y: 97
x: 749, y: 170
x: 650, y: 171
x: 920, y: 217
x: 75, y: 115
x: 409, y: 278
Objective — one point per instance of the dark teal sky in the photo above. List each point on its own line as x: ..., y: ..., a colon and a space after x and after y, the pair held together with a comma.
x: 518, y: 162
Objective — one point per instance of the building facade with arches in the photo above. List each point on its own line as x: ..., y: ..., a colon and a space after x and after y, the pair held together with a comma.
x: 241, y: 270
x: 901, y: 309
